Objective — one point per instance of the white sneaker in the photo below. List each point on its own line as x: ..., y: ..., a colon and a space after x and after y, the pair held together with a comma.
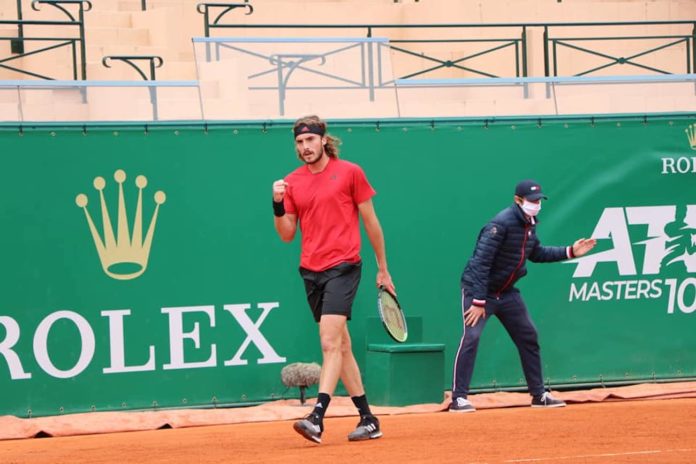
x: 460, y: 404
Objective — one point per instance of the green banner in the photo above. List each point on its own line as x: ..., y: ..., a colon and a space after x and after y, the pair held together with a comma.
x: 141, y: 268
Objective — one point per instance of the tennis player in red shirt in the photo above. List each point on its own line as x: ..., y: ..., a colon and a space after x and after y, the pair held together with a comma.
x: 328, y: 196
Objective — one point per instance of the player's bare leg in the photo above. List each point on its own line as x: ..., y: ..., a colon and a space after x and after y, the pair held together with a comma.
x: 350, y: 372
x: 368, y: 427
x: 331, y: 330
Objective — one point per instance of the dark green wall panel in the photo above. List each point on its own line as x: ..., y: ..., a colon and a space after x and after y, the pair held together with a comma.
x: 214, y: 245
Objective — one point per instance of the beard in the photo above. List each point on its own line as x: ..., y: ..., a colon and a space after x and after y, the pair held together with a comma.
x: 315, y: 160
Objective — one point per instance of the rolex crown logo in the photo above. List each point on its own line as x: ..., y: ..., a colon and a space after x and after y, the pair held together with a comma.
x: 691, y: 134
x: 124, y: 256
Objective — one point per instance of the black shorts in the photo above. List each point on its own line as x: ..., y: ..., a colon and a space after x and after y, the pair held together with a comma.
x: 332, y: 291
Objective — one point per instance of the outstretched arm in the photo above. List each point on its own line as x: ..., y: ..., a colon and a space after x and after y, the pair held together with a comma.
x: 544, y: 254
x: 376, y: 236
x: 583, y: 246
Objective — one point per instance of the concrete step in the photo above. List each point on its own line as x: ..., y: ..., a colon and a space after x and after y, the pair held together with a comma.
x: 96, y: 53
x: 52, y: 111
x: 172, y: 70
x: 117, y: 72
x: 56, y: 64
x: 119, y: 27
x: 130, y: 5
x: 113, y: 35
x: 105, y: 18
x: 177, y: 70
x: 171, y: 27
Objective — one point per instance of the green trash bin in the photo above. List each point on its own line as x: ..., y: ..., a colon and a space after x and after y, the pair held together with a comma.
x: 404, y: 374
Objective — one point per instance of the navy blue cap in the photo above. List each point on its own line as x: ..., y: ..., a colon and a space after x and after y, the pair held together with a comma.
x: 530, y: 189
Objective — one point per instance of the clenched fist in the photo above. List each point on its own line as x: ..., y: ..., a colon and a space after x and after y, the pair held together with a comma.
x: 279, y: 188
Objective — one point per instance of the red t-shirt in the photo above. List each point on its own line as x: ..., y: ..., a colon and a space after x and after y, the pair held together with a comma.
x: 326, y: 204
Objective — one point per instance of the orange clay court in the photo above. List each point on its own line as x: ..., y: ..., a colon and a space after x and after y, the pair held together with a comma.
x: 624, y: 431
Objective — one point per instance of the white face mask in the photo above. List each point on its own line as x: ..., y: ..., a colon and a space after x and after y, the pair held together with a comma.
x: 530, y: 209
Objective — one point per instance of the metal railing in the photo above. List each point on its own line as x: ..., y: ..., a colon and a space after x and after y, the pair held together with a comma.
x: 564, y: 102
x: 573, y: 43
x: 153, y: 63
x: 17, y: 45
x: 364, y: 56
x: 468, y: 33
x: 76, y: 44
x: 517, y: 41
x: 81, y: 87
x: 361, y: 68
x: 550, y: 83
x: 367, y: 64
x: 209, y: 9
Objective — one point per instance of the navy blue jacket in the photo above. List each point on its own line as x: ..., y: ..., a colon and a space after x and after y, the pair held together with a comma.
x: 502, y: 249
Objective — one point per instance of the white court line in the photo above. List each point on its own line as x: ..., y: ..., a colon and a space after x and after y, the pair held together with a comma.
x: 604, y: 455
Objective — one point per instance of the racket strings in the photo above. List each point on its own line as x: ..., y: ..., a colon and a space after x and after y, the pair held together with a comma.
x: 393, y: 317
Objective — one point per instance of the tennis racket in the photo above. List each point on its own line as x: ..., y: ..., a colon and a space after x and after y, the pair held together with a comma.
x: 392, y: 316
